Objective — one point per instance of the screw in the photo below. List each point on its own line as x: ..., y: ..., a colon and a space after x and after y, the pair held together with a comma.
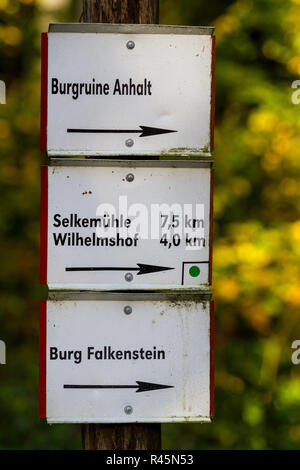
x: 129, y: 143
x: 128, y: 277
x: 128, y: 409
x: 130, y: 45
x: 127, y: 310
x: 130, y: 177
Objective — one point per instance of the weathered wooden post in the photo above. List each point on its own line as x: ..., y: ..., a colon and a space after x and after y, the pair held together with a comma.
x: 121, y: 436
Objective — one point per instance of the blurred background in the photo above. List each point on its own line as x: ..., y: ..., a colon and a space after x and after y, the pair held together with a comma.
x: 256, y: 232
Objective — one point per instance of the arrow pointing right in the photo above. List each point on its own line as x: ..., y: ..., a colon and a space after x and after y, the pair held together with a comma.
x: 141, y: 386
x: 147, y: 386
x: 148, y: 131
x: 149, y: 268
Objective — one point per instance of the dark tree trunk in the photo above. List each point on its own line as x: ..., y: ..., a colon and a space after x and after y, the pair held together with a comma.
x: 121, y: 11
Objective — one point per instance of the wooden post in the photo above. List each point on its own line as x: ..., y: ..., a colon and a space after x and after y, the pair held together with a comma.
x: 121, y: 436
x: 121, y: 11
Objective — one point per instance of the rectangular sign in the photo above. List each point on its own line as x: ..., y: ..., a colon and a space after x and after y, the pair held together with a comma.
x: 119, y: 358
x: 127, y: 90
x: 126, y: 226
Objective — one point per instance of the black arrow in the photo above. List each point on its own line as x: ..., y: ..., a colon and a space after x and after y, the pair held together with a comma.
x: 145, y: 131
x: 142, y: 269
x: 140, y: 387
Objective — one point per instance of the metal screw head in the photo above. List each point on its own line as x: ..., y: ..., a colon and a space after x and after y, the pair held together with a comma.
x: 128, y: 310
x: 128, y: 409
x: 130, y: 45
x: 129, y: 177
x: 128, y: 277
x: 129, y: 143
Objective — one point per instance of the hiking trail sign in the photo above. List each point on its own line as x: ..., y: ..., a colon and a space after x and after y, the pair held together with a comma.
x: 126, y: 225
x: 113, y: 358
x: 127, y: 118
x: 135, y: 90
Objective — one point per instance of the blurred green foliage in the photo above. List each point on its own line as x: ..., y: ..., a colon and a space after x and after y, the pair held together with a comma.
x: 257, y: 224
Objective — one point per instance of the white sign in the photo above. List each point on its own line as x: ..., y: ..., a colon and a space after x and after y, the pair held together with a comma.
x: 126, y: 360
x: 126, y: 227
x: 127, y: 90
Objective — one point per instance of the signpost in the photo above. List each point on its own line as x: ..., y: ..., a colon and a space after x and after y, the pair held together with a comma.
x: 127, y: 117
x: 127, y: 226
x: 127, y: 90
x: 155, y: 366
